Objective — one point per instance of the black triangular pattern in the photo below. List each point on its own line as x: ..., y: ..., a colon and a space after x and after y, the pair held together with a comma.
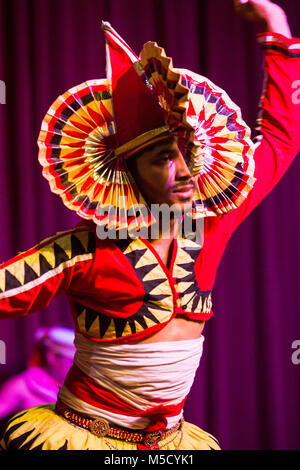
x: 123, y: 244
x: 134, y: 256
x: 157, y: 306
x: 28, y: 444
x: 132, y: 327
x: 39, y: 447
x: 152, y: 284
x: 142, y: 322
x: 142, y: 271
x: 152, y: 298
x: 76, y: 246
x: 191, y: 288
x: 151, y: 316
x: 11, y: 282
x: 29, y: 273
x: 59, y: 254
x: 191, y: 276
x: 44, y: 265
x: 157, y: 298
x: 195, y: 300
x: 78, y: 308
x: 13, y: 418
x: 144, y: 312
x: 120, y: 324
x: 147, y: 297
x: 65, y: 446
x: 104, y: 322
x: 194, y: 253
x: 17, y: 442
x: 207, y: 295
x: 188, y: 278
x: 90, y: 317
x: 187, y: 266
x: 13, y: 428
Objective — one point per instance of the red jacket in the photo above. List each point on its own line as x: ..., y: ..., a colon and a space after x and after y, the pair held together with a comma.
x: 121, y: 290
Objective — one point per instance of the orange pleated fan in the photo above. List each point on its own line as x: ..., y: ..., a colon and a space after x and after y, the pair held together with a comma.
x: 90, y: 130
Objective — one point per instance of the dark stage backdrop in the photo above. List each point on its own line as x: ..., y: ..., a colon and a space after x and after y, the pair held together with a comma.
x: 247, y: 388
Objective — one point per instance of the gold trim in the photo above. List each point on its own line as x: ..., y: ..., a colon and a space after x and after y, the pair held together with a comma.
x: 99, y: 427
x: 152, y: 438
x: 140, y: 140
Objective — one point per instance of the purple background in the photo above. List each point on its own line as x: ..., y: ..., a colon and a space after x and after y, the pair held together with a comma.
x: 247, y: 388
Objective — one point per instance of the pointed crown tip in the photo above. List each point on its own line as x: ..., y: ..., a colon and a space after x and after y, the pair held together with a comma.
x: 105, y: 25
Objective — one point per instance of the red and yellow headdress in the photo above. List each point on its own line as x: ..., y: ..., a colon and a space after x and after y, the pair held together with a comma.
x: 90, y: 131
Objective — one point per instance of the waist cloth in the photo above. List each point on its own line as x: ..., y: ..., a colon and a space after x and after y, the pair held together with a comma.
x: 139, y: 386
x: 134, y: 386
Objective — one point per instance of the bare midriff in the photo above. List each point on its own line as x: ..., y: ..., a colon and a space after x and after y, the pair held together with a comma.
x: 177, y: 329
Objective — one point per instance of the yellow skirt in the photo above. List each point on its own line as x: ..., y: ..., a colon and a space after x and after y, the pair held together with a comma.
x: 40, y: 428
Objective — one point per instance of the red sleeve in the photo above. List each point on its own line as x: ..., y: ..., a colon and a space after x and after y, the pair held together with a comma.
x: 278, y: 139
x: 29, y: 281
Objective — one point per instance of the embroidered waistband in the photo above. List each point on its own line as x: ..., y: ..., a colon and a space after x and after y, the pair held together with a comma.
x: 100, y: 427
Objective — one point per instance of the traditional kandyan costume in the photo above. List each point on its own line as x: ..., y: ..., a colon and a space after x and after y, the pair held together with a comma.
x: 119, y: 393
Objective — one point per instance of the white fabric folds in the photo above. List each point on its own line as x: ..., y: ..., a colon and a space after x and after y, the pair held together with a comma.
x: 143, y: 375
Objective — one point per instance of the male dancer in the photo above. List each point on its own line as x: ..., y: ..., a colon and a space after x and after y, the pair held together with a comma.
x: 139, y: 304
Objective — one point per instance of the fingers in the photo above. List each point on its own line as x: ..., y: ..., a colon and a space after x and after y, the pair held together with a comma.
x: 238, y: 3
x: 255, y: 3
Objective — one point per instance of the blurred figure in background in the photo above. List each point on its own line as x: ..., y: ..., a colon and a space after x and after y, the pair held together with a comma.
x: 50, y: 361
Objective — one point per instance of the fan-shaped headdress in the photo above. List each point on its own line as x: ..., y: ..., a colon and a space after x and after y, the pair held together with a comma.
x: 90, y: 131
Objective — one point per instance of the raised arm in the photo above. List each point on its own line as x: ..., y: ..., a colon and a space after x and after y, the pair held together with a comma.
x: 270, y: 16
x: 278, y: 139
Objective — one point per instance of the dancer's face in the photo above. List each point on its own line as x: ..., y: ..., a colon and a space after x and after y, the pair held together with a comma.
x: 162, y: 174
